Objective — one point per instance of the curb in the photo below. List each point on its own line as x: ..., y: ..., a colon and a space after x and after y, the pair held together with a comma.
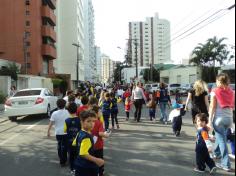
x: 3, y: 118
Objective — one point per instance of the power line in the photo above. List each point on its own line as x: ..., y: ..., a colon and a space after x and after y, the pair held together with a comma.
x: 206, y: 19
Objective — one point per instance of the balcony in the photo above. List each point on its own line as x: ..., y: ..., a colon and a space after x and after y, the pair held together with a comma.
x: 48, y: 13
x: 49, y: 51
x: 52, y: 3
x: 49, y: 32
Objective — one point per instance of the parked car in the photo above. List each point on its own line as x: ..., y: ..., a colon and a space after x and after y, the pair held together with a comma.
x: 210, y: 86
x: 173, y: 88
x: 185, y: 88
x: 151, y: 87
x: 155, y: 87
x: 30, y: 102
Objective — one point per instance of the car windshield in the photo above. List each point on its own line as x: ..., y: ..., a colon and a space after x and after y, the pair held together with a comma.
x: 27, y: 93
x: 155, y: 85
x: 148, y: 85
x: 175, y: 85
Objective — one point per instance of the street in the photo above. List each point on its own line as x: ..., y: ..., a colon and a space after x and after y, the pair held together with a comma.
x: 137, y: 149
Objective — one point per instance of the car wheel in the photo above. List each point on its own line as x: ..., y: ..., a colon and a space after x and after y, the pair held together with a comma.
x: 12, y: 118
x: 48, y: 114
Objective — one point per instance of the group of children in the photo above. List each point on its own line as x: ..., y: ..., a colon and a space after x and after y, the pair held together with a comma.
x: 80, y: 132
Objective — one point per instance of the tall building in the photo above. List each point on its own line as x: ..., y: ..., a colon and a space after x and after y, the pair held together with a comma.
x: 27, y: 34
x: 148, y: 41
x: 70, y: 32
x: 90, y: 59
x: 107, y: 68
x: 98, y: 64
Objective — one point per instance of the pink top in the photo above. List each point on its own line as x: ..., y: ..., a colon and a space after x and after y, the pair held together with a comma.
x: 225, y: 97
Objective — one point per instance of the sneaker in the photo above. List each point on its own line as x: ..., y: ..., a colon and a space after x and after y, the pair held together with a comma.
x: 166, y: 123
x: 222, y: 167
x: 127, y: 119
x: 198, y: 170
x: 213, y: 170
x: 177, y: 133
x: 232, y: 156
x: 72, y: 172
x: 118, y: 126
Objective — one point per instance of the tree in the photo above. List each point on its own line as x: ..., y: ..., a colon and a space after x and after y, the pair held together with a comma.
x: 155, y: 73
x: 208, y: 55
x: 10, y: 70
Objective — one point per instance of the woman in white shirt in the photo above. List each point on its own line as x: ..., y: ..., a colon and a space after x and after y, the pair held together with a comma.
x: 138, y: 97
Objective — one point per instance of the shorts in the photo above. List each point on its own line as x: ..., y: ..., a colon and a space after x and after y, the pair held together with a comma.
x: 86, y: 172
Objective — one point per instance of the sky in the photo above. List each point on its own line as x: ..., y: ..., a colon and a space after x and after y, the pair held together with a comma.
x: 113, y: 16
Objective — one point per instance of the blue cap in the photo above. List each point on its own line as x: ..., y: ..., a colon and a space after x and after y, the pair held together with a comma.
x: 176, y: 106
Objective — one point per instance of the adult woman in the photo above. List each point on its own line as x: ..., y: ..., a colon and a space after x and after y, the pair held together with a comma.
x: 199, y: 97
x: 138, y: 97
x: 221, y: 117
x: 163, y: 98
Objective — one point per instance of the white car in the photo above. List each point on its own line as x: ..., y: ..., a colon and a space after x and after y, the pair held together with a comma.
x: 30, y: 102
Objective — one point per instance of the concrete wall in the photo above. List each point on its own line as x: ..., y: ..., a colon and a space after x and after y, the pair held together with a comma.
x: 5, y: 84
x: 181, y: 75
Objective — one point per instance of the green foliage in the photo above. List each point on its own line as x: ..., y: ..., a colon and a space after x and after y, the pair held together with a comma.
x: 147, y: 75
x: 56, y: 82
x: 10, y: 70
x: 209, y: 74
x: 210, y: 53
x: 2, y: 98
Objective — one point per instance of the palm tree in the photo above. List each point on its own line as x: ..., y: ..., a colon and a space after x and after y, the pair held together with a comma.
x: 209, y: 54
x: 214, y: 51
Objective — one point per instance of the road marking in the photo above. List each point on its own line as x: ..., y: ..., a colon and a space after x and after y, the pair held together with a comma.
x: 15, y: 135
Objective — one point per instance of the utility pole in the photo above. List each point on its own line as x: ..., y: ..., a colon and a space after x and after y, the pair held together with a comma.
x: 136, y: 56
x: 77, y: 62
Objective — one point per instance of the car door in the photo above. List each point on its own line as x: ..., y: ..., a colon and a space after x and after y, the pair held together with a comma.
x: 51, y: 99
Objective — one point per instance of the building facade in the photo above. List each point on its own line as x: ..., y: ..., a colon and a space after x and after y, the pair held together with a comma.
x: 98, y: 64
x: 70, y: 39
x: 149, y: 41
x: 27, y: 34
x: 90, y: 55
x: 180, y: 74
x: 107, y: 68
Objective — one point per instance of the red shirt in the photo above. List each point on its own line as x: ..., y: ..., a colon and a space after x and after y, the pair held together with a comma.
x: 81, y: 109
x: 127, y: 106
x: 98, y: 127
x: 127, y: 94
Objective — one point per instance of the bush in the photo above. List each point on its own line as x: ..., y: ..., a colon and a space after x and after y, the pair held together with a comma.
x: 2, y: 98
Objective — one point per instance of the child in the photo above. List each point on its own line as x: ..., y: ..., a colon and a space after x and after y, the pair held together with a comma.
x: 106, y: 110
x: 152, y: 108
x: 114, y: 111
x: 203, y: 145
x: 128, y: 104
x: 98, y: 134
x: 86, y: 164
x: 176, y: 117
x: 72, y: 127
x: 84, y: 107
x: 58, y: 118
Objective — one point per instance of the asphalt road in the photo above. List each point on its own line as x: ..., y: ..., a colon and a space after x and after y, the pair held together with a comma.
x: 137, y: 149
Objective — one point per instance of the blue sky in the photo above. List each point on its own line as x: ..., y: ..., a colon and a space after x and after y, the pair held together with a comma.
x: 112, y: 17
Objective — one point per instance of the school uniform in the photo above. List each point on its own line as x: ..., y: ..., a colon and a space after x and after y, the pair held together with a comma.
x: 72, y: 127
x: 85, y: 146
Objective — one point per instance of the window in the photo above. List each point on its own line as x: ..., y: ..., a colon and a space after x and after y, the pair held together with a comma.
x: 28, y: 65
x: 27, y: 34
x: 28, y: 54
x: 27, y: 43
x: 45, y: 66
x: 27, y: 2
x: 27, y: 23
x: 27, y: 12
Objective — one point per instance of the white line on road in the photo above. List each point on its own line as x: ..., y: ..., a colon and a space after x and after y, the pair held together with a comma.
x: 15, y: 135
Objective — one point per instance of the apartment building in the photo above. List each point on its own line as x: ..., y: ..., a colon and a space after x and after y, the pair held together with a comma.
x: 107, y: 68
x: 149, y: 41
x: 98, y: 64
x: 90, y: 55
x: 27, y: 34
x: 70, y: 39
